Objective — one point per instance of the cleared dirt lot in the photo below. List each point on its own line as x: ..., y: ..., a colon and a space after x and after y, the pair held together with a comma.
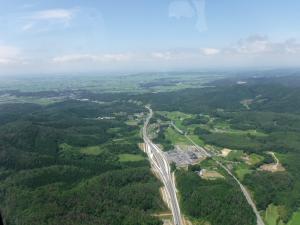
x: 273, y: 167
x: 210, y: 175
x: 225, y: 152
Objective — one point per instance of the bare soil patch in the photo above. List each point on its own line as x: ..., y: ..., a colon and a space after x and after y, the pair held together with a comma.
x: 210, y: 175
x: 274, y: 167
x: 225, y: 152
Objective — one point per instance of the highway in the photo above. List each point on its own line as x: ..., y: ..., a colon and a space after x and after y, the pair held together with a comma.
x: 161, y: 166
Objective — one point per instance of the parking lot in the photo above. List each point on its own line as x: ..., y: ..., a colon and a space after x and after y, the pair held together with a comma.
x: 185, y: 155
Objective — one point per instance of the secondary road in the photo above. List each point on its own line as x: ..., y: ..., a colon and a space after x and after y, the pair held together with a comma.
x: 161, y: 166
x: 243, y: 189
x: 246, y: 194
x: 274, y: 157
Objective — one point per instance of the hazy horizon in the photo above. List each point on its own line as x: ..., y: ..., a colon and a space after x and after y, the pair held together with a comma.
x: 137, y: 36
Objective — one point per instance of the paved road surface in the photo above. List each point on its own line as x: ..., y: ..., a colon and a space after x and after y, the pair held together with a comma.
x: 160, y: 164
x: 274, y: 157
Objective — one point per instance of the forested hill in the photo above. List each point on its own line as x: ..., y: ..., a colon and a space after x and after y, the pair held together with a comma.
x: 262, y: 79
x: 61, y: 165
x: 267, y: 96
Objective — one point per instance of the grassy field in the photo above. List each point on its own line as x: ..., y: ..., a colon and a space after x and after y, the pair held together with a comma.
x: 197, y: 140
x: 114, y: 130
x: 295, y: 219
x: 199, y: 222
x: 132, y: 122
x: 235, y: 155
x: 66, y: 149
x: 224, y: 127
x: 241, y: 171
x: 272, y: 216
x: 34, y: 100
x: 176, y: 117
x: 255, y: 159
x: 175, y: 137
x: 211, y: 165
x: 91, y: 150
x: 130, y: 158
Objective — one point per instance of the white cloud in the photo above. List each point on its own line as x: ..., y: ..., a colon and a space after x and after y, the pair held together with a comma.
x: 259, y: 45
x: 292, y: 46
x: 173, y: 55
x: 162, y: 55
x: 73, y: 58
x: 9, y: 55
x: 44, y: 19
x: 91, y: 58
x: 116, y: 57
x: 54, y: 14
x: 254, y: 45
x: 210, y: 51
x: 184, y: 54
x: 251, y: 51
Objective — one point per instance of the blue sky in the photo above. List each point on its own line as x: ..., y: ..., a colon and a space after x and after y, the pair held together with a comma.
x: 147, y: 35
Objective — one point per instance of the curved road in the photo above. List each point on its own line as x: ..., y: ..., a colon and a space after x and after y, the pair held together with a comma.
x: 160, y: 164
x: 242, y: 187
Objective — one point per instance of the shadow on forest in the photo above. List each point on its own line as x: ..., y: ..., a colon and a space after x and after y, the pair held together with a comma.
x: 1, y: 219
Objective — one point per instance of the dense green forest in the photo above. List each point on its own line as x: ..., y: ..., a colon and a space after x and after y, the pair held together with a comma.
x: 61, y: 165
x: 160, y: 137
x: 219, y: 201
